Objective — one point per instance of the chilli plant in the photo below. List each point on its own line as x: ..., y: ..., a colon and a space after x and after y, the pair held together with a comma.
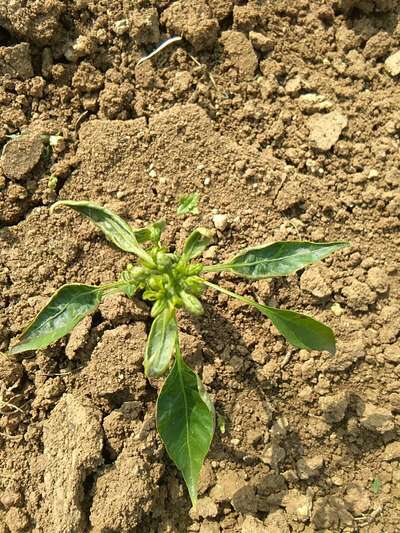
x: 173, y: 280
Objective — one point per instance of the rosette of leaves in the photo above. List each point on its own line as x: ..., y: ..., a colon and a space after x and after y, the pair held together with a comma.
x: 173, y: 280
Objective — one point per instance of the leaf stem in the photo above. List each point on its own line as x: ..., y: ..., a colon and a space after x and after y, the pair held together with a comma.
x: 218, y: 267
x: 234, y: 295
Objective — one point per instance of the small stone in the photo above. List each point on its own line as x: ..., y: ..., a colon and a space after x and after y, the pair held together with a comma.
x: 337, y: 309
x: 314, y: 103
x: 309, y: 467
x: 220, y: 221
x: 228, y: 483
x: 276, y: 522
x: 392, y: 451
x: 298, y: 505
x: 253, y: 525
x: 193, y: 20
x: 11, y: 498
x: 144, y: 25
x: 240, y: 53
x: 325, y: 130
x: 205, y: 508
x: 10, y: 372
x: 81, y: 47
x: 121, y: 26
x: 306, y: 393
x: 376, y: 419
x: 357, y: 500
x: 378, y: 280
x: 316, y: 281
x: 359, y: 296
x: 21, y: 155
x: 182, y: 81
x: 334, y: 407
x: 392, y: 353
x: 294, y: 86
x: 392, y: 64
x: 261, y: 42
x: 16, y: 520
x: 15, y: 61
x: 273, y: 455
x: 244, y: 500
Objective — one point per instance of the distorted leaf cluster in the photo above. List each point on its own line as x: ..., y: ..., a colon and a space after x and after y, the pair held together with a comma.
x: 185, y: 414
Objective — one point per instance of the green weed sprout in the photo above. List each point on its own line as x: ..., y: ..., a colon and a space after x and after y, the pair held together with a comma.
x: 185, y: 414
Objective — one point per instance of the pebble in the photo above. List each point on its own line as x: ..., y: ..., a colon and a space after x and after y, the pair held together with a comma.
x: 376, y: 419
x: 334, y: 407
x: 298, y: 505
x: 325, y: 130
x: 121, y: 26
x: 261, y: 42
x: 314, y: 103
x: 315, y: 281
x: 21, y: 155
x: 392, y: 353
x: 205, y: 508
x: 309, y: 466
x: 392, y: 451
x: 15, y: 61
x: 228, y: 483
x: 392, y: 64
x: 359, y: 295
x: 357, y: 500
x: 253, y: 525
x: 240, y: 53
x: 337, y: 309
x: 220, y: 221
x: 244, y: 500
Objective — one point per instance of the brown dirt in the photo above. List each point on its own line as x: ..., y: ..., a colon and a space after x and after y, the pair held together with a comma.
x: 284, y: 116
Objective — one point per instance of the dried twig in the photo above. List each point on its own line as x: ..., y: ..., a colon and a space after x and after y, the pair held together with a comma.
x: 163, y: 45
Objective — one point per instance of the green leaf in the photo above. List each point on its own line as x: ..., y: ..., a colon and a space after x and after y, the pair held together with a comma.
x: 188, y: 204
x: 191, y: 303
x: 376, y: 486
x: 115, y: 229
x: 185, y: 422
x: 151, y: 233
x: 160, y: 344
x: 65, y: 309
x: 196, y: 243
x: 300, y: 330
x: 279, y: 258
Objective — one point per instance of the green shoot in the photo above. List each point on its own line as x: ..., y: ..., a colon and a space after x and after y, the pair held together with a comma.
x: 188, y: 205
x: 171, y: 281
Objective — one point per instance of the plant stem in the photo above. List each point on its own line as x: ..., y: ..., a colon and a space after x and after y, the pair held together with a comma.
x: 235, y: 295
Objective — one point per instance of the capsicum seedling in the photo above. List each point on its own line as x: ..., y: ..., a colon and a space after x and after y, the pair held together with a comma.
x: 185, y: 414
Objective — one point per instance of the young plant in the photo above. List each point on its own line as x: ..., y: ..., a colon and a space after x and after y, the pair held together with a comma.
x: 173, y: 280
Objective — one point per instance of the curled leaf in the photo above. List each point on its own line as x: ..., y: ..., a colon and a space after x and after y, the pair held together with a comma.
x: 160, y: 344
x: 61, y: 314
x: 196, y: 243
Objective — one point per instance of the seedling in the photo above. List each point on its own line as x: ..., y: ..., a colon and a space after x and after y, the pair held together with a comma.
x: 185, y: 414
x: 188, y: 205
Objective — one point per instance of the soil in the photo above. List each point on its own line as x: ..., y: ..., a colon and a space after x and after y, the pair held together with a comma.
x: 284, y: 116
